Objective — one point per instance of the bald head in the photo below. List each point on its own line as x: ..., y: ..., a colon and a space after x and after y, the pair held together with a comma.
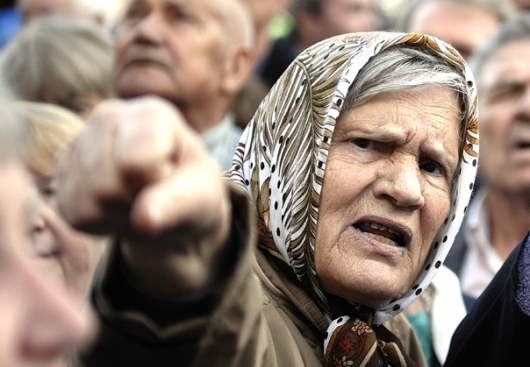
x: 236, y: 19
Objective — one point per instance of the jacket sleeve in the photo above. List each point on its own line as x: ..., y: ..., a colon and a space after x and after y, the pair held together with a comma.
x: 221, y: 328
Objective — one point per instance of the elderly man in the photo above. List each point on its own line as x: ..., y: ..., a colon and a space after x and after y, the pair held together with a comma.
x: 465, y: 24
x: 499, y: 216
x: 196, y: 54
x: 495, y: 332
x: 316, y: 20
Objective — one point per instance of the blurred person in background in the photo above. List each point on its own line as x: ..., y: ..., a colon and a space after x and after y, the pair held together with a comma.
x: 263, y: 13
x: 62, y: 252
x: 102, y: 12
x: 61, y: 61
x: 522, y: 4
x: 495, y: 332
x: 499, y: 215
x: 465, y: 24
x: 40, y: 319
x: 315, y: 20
x: 197, y: 54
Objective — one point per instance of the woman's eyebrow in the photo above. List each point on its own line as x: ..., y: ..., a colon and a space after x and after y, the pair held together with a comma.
x: 436, y: 150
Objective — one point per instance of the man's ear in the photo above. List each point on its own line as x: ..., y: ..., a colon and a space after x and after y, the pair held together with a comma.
x: 238, y: 66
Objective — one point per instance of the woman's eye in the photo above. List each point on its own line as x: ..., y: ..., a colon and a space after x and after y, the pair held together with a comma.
x: 363, y: 143
x: 431, y: 167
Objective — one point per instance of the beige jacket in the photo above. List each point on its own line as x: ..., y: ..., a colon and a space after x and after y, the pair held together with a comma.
x: 260, y: 317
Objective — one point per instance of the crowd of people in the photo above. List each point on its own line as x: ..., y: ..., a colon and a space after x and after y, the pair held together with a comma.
x: 180, y: 188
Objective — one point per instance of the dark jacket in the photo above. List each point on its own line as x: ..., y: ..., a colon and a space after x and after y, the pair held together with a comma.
x: 496, y: 332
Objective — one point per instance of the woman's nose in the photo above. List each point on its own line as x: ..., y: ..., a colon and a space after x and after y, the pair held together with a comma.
x: 401, y: 183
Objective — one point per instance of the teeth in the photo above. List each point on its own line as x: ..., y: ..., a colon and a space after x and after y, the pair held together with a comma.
x: 382, y: 228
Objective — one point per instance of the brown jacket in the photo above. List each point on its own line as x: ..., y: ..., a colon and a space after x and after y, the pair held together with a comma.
x: 260, y: 317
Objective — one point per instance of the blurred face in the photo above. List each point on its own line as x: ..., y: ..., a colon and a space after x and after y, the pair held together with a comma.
x: 344, y: 16
x: 464, y: 26
x: 171, y: 48
x: 59, y: 251
x: 504, y: 107
x: 263, y: 11
x: 39, y: 320
x: 33, y: 9
x: 522, y: 4
x: 386, y: 193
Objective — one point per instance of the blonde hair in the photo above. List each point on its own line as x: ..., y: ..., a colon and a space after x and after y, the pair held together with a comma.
x: 50, y: 128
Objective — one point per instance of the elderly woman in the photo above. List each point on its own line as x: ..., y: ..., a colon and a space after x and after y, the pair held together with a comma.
x: 359, y: 165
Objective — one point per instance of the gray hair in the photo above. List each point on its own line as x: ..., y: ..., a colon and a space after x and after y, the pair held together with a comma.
x: 516, y: 29
x: 56, y: 58
x: 501, y: 9
x: 13, y: 134
x: 403, y: 67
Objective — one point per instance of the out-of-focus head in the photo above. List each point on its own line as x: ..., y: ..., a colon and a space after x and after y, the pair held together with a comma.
x: 34, y: 9
x: 194, y: 53
x: 502, y: 69
x: 465, y: 24
x: 360, y: 162
x: 320, y: 19
x: 522, y: 4
x: 262, y: 12
x: 61, y: 252
x: 102, y: 13
x: 40, y: 320
x: 60, y: 61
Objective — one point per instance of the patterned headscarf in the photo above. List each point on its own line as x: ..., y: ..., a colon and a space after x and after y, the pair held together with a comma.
x: 281, y: 157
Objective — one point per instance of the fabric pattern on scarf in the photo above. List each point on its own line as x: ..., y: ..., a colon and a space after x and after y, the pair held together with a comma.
x: 352, y: 342
x: 282, y: 154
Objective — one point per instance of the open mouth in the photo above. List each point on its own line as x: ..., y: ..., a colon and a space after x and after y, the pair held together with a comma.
x: 382, y: 233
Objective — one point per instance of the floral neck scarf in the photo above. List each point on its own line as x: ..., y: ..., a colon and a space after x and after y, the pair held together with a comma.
x: 281, y: 160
